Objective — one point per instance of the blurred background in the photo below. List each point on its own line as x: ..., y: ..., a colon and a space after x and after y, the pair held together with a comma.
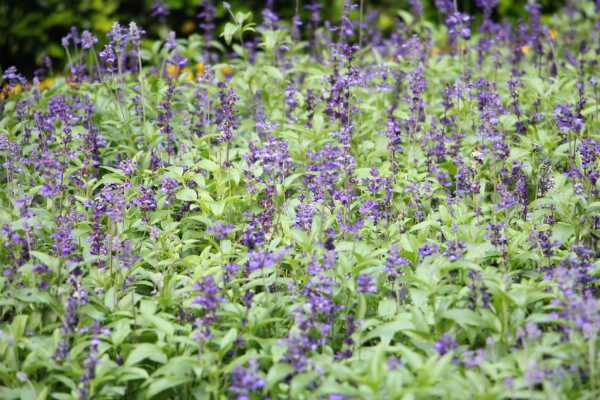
x: 31, y: 29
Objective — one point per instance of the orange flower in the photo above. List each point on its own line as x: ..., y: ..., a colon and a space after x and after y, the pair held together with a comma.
x: 200, y: 69
x: 173, y: 70
x: 15, y: 90
x: 46, y: 83
x: 227, y: 70
x: 188, y: 26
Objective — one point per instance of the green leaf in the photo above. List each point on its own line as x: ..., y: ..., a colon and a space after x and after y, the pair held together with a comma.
x: 228, y: 339
x: 273, y: 72
x: 562, y: 232
x: 463, y: 316
x: 161, y: 384
x: 217, y: 208
x: 187, y: 194
x: 241, y: 17
x: 289, y: 181
x: 385, y: 332
x: 229, y: 31
x: 594, y: 207
x: 110, y: 298
x: 146, y: 351
x: 362, y: 306
x: 18, y: 326
x: 162, y: 324
x: 120, y: 331
x: 131, y: 374
x: 406, y: 16
x: 208, y: 165
x: 179, y: 366
x: 300, y: 382
x: 278, y: 372
x: 386, y: 308
x: 47, y: 259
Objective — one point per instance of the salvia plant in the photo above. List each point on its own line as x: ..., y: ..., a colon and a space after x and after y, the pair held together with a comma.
x: 319, y: 210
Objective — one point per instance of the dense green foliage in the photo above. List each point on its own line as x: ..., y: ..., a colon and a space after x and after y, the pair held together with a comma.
x: 30, y: 29
x: 412, y: 218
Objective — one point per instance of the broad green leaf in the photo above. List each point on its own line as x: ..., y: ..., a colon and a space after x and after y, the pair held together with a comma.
x: 47, y: 259
x: 145, y: 351
x: 229, y: 31
x: 187, y: 194
x: 161, y: 384
x: 386, y: 308
x: 463, y: 317
x: 277, y: 372
x: 228, y: 339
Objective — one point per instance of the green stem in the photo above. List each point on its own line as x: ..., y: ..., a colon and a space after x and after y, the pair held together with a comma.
x: 141, y: 80
x: 360, y: 30
x: 592, y: 361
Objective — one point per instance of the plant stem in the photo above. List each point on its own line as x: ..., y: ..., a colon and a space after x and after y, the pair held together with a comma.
x: 360, y: 28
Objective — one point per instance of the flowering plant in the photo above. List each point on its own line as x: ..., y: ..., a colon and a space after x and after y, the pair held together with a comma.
x: 328, y: 212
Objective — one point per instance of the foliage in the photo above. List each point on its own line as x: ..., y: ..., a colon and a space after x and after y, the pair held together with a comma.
x: 415, y: 217
x: 30, y: 29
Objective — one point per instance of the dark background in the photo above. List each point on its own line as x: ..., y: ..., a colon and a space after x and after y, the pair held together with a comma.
x: 32, y: 28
